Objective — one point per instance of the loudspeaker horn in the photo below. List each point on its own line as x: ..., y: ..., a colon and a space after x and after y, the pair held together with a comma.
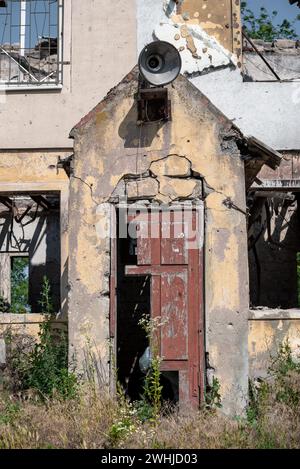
x: 159, y: 63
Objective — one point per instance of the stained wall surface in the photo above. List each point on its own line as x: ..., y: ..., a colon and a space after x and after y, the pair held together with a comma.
x: 268, y: 331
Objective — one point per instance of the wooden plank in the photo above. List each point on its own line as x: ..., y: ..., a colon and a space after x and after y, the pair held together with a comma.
x: 174, y: 314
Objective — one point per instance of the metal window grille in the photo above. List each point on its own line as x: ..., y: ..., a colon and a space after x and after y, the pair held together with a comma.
x: 31, y: 42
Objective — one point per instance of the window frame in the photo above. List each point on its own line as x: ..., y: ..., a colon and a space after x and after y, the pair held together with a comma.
x: 43, y: 85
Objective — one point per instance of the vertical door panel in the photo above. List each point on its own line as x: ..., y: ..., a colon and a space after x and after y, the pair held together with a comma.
x: 174, y: 306
x: 173, y: 249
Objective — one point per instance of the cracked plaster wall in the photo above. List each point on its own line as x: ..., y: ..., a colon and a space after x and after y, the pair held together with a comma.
x: 161, y: 162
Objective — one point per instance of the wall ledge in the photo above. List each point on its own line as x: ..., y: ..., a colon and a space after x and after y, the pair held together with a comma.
x: 268, y: 314
x: 11, y: 318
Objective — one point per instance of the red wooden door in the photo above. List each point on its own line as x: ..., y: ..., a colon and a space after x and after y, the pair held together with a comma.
x: 169, y: 248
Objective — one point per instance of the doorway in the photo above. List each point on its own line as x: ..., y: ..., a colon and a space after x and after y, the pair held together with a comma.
x: 158, y: 275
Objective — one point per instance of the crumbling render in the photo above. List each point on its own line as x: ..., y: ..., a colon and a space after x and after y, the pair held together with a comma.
x: 199, y: 51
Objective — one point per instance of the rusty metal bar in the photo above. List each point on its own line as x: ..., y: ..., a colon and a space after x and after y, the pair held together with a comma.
x: 40, y: 200
x: 7, y: 202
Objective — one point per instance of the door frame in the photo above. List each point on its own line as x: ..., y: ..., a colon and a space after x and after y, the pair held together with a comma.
x: 201, y: 372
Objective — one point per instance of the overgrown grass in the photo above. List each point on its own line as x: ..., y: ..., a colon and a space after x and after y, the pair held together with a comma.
x: 93, y: 419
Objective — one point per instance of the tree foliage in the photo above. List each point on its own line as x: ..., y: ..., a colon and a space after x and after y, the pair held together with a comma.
x: 19, y: 286
x: 263, y: 26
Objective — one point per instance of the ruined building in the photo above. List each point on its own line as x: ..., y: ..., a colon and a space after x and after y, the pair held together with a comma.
x: 218, y: 171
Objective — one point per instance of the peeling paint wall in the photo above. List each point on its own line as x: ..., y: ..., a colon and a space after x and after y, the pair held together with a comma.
x: 202, y: 32
x: 257, y: 108
x: 110, y: 146
x: 218, y: 19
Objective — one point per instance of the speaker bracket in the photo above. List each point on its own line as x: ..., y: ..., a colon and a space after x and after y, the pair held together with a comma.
x: 153, y: 104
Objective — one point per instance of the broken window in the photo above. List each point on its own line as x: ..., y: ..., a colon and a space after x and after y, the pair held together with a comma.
x: 271, y: 32
x: 29, y: 251
x: 274, y: 247
x: 30, y: 42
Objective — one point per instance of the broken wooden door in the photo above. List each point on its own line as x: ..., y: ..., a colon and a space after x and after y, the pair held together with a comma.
x: 170, y: 250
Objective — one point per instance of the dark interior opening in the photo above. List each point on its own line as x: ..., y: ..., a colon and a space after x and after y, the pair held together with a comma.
x: 170, y: 383
x: 274, y: 247
x: 30, y: 250
x: 133, y: 303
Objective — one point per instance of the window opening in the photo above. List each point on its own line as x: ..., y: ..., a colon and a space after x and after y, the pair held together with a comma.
x: 30, y: 42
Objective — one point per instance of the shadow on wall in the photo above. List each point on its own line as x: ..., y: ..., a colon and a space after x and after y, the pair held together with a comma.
x: 50, y: 267
x: 138, y: 136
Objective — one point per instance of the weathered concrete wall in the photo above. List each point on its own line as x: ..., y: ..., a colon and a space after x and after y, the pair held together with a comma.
x: 22, y: 324
x: 109, y: 146
x: 268, y: 330
x: 99, y: 47
x: 37, y: 171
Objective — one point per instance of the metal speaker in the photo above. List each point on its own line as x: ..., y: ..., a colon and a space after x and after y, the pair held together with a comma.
x: 159, y: 63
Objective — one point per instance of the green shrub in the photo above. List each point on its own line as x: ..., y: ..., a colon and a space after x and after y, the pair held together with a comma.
x: 151, y: 400
x: 9, y: 413
x: 43, y: 366
x: 285, y: 372
x: 47, y: 365
x: 213, y: 396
